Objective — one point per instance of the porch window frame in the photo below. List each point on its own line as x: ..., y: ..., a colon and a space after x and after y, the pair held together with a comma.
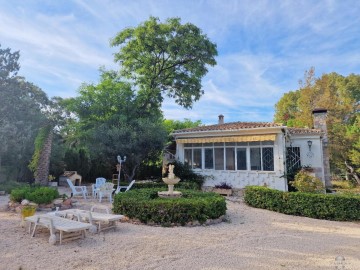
x: 247, y: 146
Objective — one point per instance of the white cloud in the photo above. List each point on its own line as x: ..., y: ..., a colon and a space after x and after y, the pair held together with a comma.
x: 264, y: 46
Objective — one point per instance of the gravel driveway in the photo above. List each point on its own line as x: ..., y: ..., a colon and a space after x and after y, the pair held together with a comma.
x: 251, y: 239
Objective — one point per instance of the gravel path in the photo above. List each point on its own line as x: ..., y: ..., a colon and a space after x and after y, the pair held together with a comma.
x: 251, y: 239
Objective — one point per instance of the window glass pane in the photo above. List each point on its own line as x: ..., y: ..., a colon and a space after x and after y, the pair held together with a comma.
x: 230, y: 144
x: 255, y: 159
x: 187, y: 144
x: 242, y: 143
x: 207, y: 144
x: 219, y: 144
x: 230, y: 158
x: 254, y: 143
x: 267, y: 143
x: 219, y: 158
x: 241, y: 158
x: 196, y: 144
x: 209, y: 158
x: 197, y: 159
x: 188, y: 156
x: 268, y: 158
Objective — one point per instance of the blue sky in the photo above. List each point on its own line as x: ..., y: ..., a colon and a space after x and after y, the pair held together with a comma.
x: 264, y: 47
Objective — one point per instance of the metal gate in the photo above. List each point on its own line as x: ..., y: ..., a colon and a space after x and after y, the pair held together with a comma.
x: 293, y: 160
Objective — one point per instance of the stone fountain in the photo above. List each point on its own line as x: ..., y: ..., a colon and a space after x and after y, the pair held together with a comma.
x: 171, y: 180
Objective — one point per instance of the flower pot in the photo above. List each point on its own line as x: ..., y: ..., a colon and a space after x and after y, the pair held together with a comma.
x: 223, y: 191
x: 27, y: 211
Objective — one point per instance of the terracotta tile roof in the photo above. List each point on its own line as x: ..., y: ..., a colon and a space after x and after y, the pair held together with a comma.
x: 306, y: 131
x: 229, y: 126
x: 248, y: 125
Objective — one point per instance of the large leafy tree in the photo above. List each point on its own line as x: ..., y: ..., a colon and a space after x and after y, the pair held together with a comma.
x: 171, y: 125
x: 111, y: 121
x: 169, y: 58
x: 21, y: 116
x: 341, y: 96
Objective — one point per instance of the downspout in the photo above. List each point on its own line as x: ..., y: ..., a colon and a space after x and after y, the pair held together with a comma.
x: 286, y: 135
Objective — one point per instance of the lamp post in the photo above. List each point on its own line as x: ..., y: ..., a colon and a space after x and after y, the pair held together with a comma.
x: 120, y: 162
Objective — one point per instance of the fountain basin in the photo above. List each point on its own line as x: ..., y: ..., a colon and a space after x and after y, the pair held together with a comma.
x: 171, y: 181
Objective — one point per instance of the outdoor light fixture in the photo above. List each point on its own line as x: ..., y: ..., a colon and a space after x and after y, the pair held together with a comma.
x: 119, y: 168
x: 309, y: 144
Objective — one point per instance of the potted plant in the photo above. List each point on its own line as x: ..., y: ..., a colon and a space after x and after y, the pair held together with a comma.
x: 52, y: 181
x: 223, y: 188
x: 27, y: 211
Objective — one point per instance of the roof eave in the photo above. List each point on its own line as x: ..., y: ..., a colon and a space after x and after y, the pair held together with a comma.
x: 225, y: 130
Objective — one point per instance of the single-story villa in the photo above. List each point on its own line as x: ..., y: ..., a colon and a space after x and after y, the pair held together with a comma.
x: 254, y: 153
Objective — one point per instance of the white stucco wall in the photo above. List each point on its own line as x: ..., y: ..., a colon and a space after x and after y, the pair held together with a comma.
x: 313, y: 158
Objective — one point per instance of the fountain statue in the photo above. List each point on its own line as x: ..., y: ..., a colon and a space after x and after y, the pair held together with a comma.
x: 171, y: 180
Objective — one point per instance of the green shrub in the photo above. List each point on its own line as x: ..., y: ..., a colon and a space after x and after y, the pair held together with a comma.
x: 337, y: 184
x: 186, y: 174
x: 10, y: 185
x: 304, y: 182
x: 18, y: 194
x: 43, y: 195
x: 36, y: 194
x: 148, y: 207
x: 321, y: 206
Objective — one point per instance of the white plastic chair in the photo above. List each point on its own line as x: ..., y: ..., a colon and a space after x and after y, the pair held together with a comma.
x: 98, y: 183
x: 77, y: 190
x: 124, y: 187
x: 106, y: 190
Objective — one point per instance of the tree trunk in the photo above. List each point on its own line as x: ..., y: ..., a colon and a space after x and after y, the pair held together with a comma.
x: 130, y: 177
x: 1, y: 180
x: 42, y: 171
x: 352, y: 172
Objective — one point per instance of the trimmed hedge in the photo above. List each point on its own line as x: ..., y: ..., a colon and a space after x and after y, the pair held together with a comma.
x: 148, y: 207
x: 162, y: 185
x: 320, y: 206
x: 36, y: 194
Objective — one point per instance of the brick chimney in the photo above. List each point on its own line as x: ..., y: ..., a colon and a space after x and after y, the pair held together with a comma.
x: 221, y: 119
x: 319, y: 119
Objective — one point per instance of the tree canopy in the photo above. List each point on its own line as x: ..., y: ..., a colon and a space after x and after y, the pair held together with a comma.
x: 340, y: 95
x: 110, y: 123
x: 22, y: 114
x: 168, y: 58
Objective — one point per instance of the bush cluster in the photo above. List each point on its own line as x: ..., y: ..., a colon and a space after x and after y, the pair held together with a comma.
x: 146, y: 206
x: 304, y: 182
x: 36, y: 194
x: 342, y: 184
x: 10, y: 185
x: 321, y: 206
x: 186, y: 174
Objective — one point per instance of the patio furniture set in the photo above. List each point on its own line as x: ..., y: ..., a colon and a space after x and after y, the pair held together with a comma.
x: 73, y: 223
x: 100, y: 189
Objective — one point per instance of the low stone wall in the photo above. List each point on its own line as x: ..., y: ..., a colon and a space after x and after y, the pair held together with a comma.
x: 60, y: 203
